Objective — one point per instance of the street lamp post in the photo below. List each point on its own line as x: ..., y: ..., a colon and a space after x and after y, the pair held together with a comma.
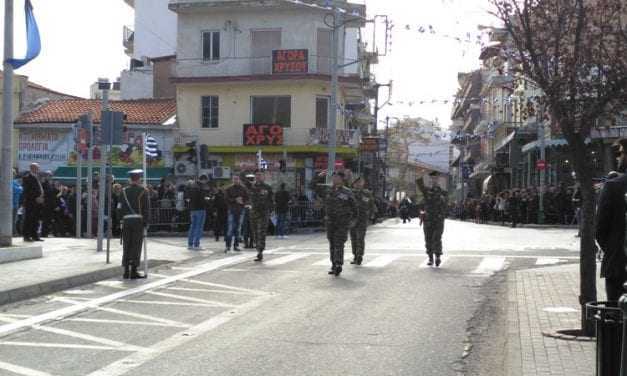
x: 542, y: 145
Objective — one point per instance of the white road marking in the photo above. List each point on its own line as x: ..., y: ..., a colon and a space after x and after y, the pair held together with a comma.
x: 135, y: 360
x: 106, y: 321
x: 547, y: 261
x: 191, y: 299
x: 22, y: 370
x: 490, y: 265
x: 226, y: 287
x: 73, y: 309
x: 209, y: 291
x: 382, y: 261
x: 165, y: 322
x: 86, y: 337
x: 323, y: 262
x: 286, y: 259
x: 78, y: 292
x: 443, y: 260
x: 64, y: 346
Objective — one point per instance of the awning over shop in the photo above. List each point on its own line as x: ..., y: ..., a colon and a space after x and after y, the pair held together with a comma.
x: 504, y: 142
x: 547, y: 143
x: 120, y: 173
x: 486, y: 185
x: 480, y: 170
x: 344, y: 150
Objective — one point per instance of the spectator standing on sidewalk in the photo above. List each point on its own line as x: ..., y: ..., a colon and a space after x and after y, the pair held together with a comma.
x: 17, y: 191
x: 196, y: 198
x: 282, y: 202
x: 236, y: 199
x: 33, y: 201
x: 610, y: 230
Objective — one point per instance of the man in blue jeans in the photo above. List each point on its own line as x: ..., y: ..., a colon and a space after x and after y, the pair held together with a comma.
x: 282, y: 206
x: 236, y: 200
x: 196, y: 198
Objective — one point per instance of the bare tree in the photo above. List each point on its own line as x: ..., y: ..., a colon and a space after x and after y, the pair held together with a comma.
x: 575, y: 51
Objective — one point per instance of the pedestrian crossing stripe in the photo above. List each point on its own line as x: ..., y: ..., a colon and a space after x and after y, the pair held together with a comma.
x: 382, y: 261
x: 285, y: 259
x: 490, y: 265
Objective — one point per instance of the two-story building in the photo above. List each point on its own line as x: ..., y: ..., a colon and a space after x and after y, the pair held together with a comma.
x: 254, y: 76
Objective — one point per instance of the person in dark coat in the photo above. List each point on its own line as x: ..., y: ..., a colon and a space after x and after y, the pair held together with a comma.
x: 33, y: 200
x: 610, y: 229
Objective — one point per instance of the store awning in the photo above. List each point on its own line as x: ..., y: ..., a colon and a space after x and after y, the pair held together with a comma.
x: 120, y: 173
x: 486, y: 184
x: 504, y: 142
x: 305, y: 149
x: 547, y: 143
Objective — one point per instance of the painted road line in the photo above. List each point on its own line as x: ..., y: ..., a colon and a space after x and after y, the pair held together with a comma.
x: 443, y: 260
x: 22, y: 370
x: 208, y: 291
x: 190, y: 299
x: 547, y: 261
x: 74, y: 309
x: 285, y: 259
x: 382, y: 261
x: 62, y: 346
x: 226, y: 287
x: 106, y: 321
x: 124, y: 365
x: 490, y: 265
x: 85, y: 337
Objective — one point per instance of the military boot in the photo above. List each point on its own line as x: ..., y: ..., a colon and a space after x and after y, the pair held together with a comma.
x: 438, y: 261
x: 359, y: 260
x: 259, y: 256
x: 127, y: 272
x: 135, y: 274
x: 430, y: 263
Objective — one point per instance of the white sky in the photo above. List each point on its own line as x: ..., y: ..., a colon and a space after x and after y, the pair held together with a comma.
x: 82, y: 40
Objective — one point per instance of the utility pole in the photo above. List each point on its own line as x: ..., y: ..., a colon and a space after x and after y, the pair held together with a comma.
x: 90, y: 179
x: 6, y: 164
x: 542, y: 145
x: 337, y: 24
x: 104, y: 85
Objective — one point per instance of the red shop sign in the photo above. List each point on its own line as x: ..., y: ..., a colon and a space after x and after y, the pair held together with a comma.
x: 262, y: 134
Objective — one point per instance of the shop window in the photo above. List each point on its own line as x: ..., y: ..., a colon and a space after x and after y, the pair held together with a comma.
x: 211, y: 45
x: 272, y: 110
x: 210, y: 111
x: 322, y: 112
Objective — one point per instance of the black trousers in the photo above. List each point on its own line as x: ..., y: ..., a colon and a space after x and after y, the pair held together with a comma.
x: 132, y: 241
x: 614, y: 289
x: 31, y: 221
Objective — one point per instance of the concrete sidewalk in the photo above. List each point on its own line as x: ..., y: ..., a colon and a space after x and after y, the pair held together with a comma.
x: 541, y: 301
x: 69, y: 262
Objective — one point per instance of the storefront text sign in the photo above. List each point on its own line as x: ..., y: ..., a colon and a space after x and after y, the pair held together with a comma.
x: 262, y: 134
x: 290, y: 61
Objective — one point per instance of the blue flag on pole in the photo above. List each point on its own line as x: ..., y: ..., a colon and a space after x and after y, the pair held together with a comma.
x: 33, y: 46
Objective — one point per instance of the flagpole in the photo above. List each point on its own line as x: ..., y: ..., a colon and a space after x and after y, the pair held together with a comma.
x: 145, y: 168
x: 6, y: 175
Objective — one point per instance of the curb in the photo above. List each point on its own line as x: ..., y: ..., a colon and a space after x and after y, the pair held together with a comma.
x: 20, y: 253
x: 561, y: 334
x: 49, y: 287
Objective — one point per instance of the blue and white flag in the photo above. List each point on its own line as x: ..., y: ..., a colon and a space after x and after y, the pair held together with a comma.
x: 33, y: 41
x: 151, y: 147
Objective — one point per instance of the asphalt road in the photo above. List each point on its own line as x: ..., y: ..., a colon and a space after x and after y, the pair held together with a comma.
x: 226, y: 315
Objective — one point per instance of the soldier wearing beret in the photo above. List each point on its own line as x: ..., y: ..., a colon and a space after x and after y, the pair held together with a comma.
x: 365, y: 209
x: 435, y: 204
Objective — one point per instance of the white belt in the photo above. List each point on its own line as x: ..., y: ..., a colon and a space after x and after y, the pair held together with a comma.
x: 129, y: 216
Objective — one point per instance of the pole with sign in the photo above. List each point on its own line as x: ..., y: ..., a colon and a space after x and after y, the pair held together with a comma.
x: 541, y: 139
x: 104, y: 85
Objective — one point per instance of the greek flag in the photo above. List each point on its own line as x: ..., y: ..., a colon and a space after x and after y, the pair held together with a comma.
x: 33, y: 41
x: 151, y: 148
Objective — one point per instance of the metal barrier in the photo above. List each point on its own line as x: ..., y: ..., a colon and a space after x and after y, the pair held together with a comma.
x: 305, y: 214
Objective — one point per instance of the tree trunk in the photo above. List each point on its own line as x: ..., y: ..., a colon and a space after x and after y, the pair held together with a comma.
x: 587, y: 265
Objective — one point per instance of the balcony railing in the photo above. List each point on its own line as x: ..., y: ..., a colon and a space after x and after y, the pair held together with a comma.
x: 250, y: 66
x: 128, y: 39
x: 291, y: 137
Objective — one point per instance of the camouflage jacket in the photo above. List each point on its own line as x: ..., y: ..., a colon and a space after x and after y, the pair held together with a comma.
x: 435, y: 201
x: 365, y: 204
x: 340, y: 206
x: 261, y: 198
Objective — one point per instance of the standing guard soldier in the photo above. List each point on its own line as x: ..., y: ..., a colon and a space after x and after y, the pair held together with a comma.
x: 435, y: 203
x: 262, y: 201
x: 365, y: 209
x: 134, y: 212
x: 340, y: 215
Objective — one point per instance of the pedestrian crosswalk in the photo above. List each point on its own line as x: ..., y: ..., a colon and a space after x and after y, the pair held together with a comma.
x: 472, y: 264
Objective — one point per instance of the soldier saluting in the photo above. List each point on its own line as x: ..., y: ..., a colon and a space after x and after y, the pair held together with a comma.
x: 365, y: 209
x: 134, y: 211
x: 435, y: 204
x: 262, y: 201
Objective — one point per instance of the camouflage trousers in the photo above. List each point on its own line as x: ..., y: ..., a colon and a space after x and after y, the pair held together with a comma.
x: 358, y: 238
x: 259, y: 224
x: 433, y: 229
x: 337, y: 233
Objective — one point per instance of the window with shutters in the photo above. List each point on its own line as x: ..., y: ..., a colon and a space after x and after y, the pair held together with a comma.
x: 272, y: 110
x: 322, y: 112
x: 211, y: 45
x: 210, y: 111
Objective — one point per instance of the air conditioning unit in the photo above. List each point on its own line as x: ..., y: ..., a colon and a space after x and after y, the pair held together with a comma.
x: 184, y: 168
x: 221, y: 172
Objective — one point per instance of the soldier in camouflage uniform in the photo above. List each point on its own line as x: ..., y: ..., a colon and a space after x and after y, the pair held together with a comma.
x: 262, y: 201
x: 435, y: 204
x: 340, y: 215
x: 133, y: 208
x: 365, y: 209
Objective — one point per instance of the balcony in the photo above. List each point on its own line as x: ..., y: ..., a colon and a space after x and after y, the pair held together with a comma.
x: 128, y: 40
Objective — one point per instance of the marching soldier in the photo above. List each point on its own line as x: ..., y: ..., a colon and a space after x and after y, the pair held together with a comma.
x: 365, y: 209
x: 435, y: 205
x: 134, y: 211
x: 262, y: 201
x: 340, y: 215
